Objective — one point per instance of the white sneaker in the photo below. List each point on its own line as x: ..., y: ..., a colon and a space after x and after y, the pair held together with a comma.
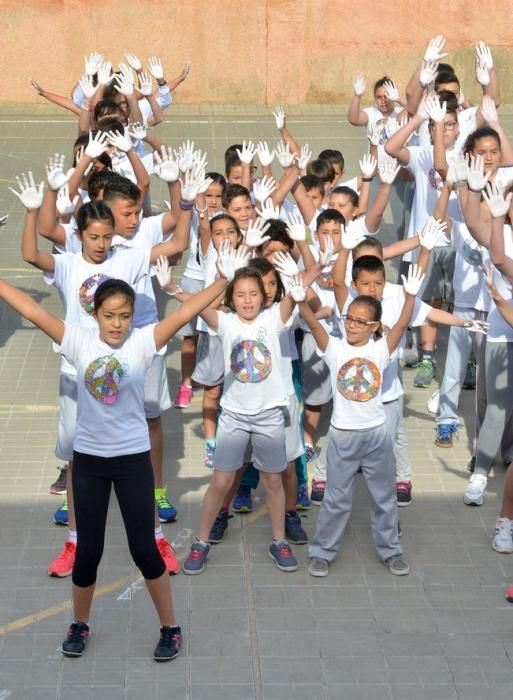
x: 503, y: 539
x: 432, y: 404
x: 474, y: 493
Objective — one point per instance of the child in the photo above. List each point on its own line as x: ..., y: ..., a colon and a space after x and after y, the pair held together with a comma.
x: 111, y: 445
x: 356, y: 365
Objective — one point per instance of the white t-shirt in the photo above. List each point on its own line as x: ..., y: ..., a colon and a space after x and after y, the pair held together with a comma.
x: 323, y: 287
x: 356, y: 379
x: 392, y: 303
x: 122, y: 166
x: 77, y: 281
x: 110, y: 381
x: 500, y: 331
x: 467, y: 121
x: 378, y: 118
x: 73, y: 243
x: 193, y: 267
x: 469, y: 282
x: 210, y: 274
x: 253, y: 376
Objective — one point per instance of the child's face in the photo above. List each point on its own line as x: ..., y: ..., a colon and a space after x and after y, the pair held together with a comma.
x: 242, y: 211
x: 451, y: 130
x: 370, y: 283
x: 269, y: 248
x: 247, y: 299
x: 126, y: 216
x: 114, y: 319
x: 489, y: 149
x: 213, y: 198
x: 359, y: 324
x: 316, y: 196
x: 382, y: 102
x: 329, y: 229
x: 234, y: 177
x: 360, y: 252
x: 96, y: 241
x: 338, y: 172
x: 270, y: 287
x: 343, y: 204
x: 224, y: 230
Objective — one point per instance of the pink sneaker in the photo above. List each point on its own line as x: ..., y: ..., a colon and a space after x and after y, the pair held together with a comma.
x: 183, y: 397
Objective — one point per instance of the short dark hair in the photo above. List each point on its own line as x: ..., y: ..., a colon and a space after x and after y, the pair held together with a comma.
x: 232, y: 191
x: 106, y: 106
x: 379, y: 83
x: 450, y: 99
x: 93, y: 211
x: 343, y: 189
x: 277, y: 231
x: 110, y: 124
x: 264, y: 267
x: 480, y: 133
x: 311, y: 182
x: 231, y: 158
x: 98, y: 180
x: 333, y: 157
x: 330, y: 215
x: 241, y: 274
x: 121, y: 188
x: 110, y: 288
x: 368, y: 242
x: 374, y: 305
x: 445, y: 76
x: 322, y: 169
x: 225, y: 217
x: 367, y: 263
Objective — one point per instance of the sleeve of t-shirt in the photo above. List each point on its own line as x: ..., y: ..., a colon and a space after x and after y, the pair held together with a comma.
x: 164, y: 98
x: 60, y: 273
x: 150, y: 229
x: 72, y: 342
x: 330, y: 354
x: 132, y: 263
x: 146, y: 343
x: 223, y: 323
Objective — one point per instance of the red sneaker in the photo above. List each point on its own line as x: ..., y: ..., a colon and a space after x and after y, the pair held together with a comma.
x: 184, y: 397
x: 168, y: 555
x: 62, y: 566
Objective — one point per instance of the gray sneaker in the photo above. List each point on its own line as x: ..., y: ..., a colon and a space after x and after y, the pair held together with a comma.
x: 281, y: 554
x: 397, y: 566
x: 195, y: 562
x: 318, y: 567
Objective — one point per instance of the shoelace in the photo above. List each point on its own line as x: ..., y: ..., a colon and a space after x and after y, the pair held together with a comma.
x: 445, y: 430
x: 68, y: 552
x: 162, y: 502
x: 284, y: 551
x: 77, y: 633
x: 168, y: 636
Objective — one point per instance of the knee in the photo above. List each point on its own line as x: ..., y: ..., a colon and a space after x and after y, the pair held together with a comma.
x: 222, y: 481
x: 148, y: 560
x: 272, y: 483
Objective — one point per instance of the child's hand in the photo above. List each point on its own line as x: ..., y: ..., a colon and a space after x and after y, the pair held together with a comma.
x: 497, y: 203
x: 263, y: 189
x: 55, y: 174
x: 104, y: 73
x: 413, y: 283
x: 155, y: 67
x: 434, y: 109
x: 391, y: 91
x: 279, y: 117
x: 145, y: 84
x: 374, y: 134
x: 133, y: 61
x: 304, y: 156
x: 66, y: 206
x: 285, y: 157
x: 194, y: 183
x: 97, y: 144
x: 285, y: 264
x: 430, y: 232
x: 296, y: 226
x: 185, y: 156
x: 482, y: 74
x: 434, y: 49
x: 92, y: 62
x: 297, y: 290
x: 476, y: 177
x: 388, y: 169
x: 488, y: 109
x: 254, y: 237
x: 368, y: 165
x: 350, y: 239
x: 247, y: 152
x: 30, y: 195
x: 166, y: 168
x: 119, y: 141
x: 265, y: 156
x: 359, y: 84
x: 125, y: 82
x: 164, y: 272
x: 326, y: 255
x: 137, y: 131
x: 229, y: 261
x: 87, y: 86
x: 484, y: 55
x: 268, y: 211
x: 476, y: 326
x: 460, y: 170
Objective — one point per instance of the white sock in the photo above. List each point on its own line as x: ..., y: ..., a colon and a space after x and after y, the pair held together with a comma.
x: 159, y: 534
x: 72, y: 536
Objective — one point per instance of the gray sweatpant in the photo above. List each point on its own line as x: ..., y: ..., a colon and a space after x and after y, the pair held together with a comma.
x: 348, y: 450
x: 497, y: 427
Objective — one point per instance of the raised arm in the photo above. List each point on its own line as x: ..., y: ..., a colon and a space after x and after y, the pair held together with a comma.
x: 31, y: 197
x: 499, y: 205
x: 281, y: 124
x: 355, y: 114
x: 479, y: 228
x: 32, y: 311
x: 59, y: 100
x: 411, y: 286
x: 388, y: 170
x: 320, y: 336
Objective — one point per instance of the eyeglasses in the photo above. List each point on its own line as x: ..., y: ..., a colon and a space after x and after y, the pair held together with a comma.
x: 358, y: 322
x: 450, y: 126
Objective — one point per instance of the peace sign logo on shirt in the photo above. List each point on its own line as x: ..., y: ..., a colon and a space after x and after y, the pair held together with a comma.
x: 87, y: 290
x: 435, y: 180
x: 359, y: 379
x: 102, y: 378
x: 250, y: 361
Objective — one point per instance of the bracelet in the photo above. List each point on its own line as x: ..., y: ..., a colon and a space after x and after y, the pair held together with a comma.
x: 476, y: 191
x: 178, y: 290
x: 164, y: 82
x: 185, y: 205
x: 201, y: 211
x: 366, y: 179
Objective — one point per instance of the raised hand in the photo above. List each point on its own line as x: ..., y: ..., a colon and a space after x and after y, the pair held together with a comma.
x: 482, y: 74
x: 495, y: 200
x: 133, y: 61
x: 104, y: 73
x: 263, y: 189
x: 163, y: 271
x: 368, y: 165
x: 268, y: 211
x: 388, y: 168
x: 285, y: 264
x: 66, y: 206
x: 285, y: 157
x: 488, y: 109
x: 476, y: 177
x: 185, y: 156
x: 297, y: 290
x: 304, y: 156
x: 186, y: 71
x: 351, y: 238
x: 97, y: 144
x: 391, y: 91
x: 30, y: 194
x: 434, y: 49
x: 484, y: 56
x: 255, y: 237
x: 413, y: 282
x: 125, y: 81
x: 296, y: 226
x: 279, y: 117
x: 36, y: 86
x: 359, y: 84
x: 137, y: 131
x: 55, y: 174
x: 229, y: 261
x: 326, y: 255
x: 434, y: 109
x: 92, y: 62
x: 119, y: 141
x: 430, y: 232
x: 428, y: 73
x: 145, y: 84
x: 194, y: 182
x: 265, y: 156
x: 247, y: 152
x: 374, y: 134
x: 87, y: 86
x: 155, y: 67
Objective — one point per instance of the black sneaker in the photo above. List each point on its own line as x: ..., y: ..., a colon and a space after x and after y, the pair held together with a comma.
x: 58, y: 487
x: 219, y: 527
x: 169, y: 645
x: 75, y: 642
x: 294, y: 529
x: 317, y: 492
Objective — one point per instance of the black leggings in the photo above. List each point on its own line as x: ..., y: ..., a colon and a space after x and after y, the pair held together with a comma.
x: 132, y: 476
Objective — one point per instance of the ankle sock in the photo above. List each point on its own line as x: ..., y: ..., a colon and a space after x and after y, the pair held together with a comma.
x: 72, y: 536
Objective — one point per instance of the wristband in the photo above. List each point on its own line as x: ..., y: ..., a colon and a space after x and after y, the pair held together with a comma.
x: 185, y: 205
x: 164, y: 82
x: 201, y: 212
x: 366, y: 179
x: 476, y: 191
